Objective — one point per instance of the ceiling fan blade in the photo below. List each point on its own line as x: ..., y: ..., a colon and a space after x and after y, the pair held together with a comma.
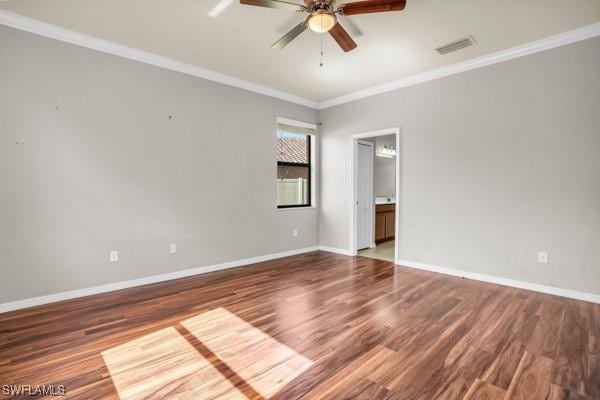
x: 291, y: 35
x: 289, y: 20
x: 372, y: 6
x: 342, y: 38
x: 352, y: 27
x: 284, y: 5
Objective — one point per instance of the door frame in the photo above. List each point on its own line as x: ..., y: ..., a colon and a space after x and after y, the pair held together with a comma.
x: 370, y: 190
x: 353, y: 168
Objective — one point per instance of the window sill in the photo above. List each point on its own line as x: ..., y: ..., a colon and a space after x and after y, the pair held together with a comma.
x: 296, y: 208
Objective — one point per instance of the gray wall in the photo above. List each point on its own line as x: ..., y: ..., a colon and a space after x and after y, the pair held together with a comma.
x: 496, y: 164
x: 103, y: 167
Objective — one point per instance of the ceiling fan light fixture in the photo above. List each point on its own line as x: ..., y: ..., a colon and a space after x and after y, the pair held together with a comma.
x: 321, y: 21
x: 322, y: 17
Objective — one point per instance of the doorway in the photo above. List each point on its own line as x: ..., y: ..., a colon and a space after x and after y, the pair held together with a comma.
x: 375, y: 194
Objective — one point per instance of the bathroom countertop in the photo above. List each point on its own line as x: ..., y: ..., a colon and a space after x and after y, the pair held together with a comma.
x: 385, y: 200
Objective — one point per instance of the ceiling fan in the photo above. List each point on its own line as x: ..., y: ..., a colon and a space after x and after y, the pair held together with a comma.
x: 322, y: 17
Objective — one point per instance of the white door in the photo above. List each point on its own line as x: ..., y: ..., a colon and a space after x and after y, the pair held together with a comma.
x: 364, y: 195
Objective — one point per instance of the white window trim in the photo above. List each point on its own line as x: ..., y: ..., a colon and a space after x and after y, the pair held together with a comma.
x: 313, y: 164
x: 299, y: 124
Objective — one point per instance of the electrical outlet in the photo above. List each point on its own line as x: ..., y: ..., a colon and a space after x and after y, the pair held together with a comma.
x: 542, y: 257
x: 173, y: 248
x: 114, y: 256
x: 295, y: 232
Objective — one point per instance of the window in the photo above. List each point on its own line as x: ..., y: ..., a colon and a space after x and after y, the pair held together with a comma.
x: 294, y: 166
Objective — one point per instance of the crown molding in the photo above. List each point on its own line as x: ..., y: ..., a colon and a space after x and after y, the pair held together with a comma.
x: 537, y: 46
x: 41, y: 28
x: 65, y: 35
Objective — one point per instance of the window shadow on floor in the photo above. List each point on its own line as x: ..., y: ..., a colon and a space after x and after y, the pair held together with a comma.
x: 211, y: 355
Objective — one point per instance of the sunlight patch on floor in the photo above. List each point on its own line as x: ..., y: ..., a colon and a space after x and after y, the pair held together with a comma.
x: 261, y: 361
x: 213, y: 355
x: 164, y: 364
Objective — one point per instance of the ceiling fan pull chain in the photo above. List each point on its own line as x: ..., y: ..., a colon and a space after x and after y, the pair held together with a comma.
x: 321, y: 63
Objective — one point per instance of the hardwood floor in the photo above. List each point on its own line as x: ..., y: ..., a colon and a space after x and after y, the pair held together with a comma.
x: 313, y: 326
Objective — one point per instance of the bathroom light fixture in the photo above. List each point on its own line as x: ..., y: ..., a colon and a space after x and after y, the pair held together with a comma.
x: 388, y: 151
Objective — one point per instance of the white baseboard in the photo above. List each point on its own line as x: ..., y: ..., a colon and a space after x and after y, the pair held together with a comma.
x: 573, y: 294
x: 536, y: 287
x: 336, y: 250
x: 110, y: 287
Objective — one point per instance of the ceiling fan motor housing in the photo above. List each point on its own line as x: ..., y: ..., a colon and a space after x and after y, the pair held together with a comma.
x: 321, y: 18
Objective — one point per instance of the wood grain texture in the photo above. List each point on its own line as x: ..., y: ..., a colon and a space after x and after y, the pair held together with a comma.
x: 373, y: 6
x: 481, y: 390
x: 532, y: 378
x: 342, y: 38
x: 312, y: 326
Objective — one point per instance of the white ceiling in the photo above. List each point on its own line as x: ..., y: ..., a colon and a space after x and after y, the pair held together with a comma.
x: 237, y: 43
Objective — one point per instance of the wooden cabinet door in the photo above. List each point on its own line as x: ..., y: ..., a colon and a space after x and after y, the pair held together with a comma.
x: 390, y: 224
x: 379, y: 226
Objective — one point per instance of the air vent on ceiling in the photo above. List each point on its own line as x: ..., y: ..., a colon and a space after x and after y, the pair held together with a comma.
x: 454, y: 46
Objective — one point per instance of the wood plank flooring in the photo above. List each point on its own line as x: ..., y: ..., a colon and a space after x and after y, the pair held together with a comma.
x: 312, y: 326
